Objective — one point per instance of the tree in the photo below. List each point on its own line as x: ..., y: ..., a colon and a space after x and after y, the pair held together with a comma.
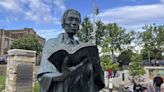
x: 153, y: 42
x: 106, y: 61
x: 136, y: 69
x: 124, y: 58
x: 84, y: 35
x: 117, y: 38
x: 100, y: 32
x: 27, y: 42
x: 107, y: 64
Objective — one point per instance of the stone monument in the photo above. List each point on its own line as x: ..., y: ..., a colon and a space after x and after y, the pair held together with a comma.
x: 20, y: 70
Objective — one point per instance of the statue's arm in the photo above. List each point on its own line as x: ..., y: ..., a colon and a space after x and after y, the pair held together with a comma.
x: 56, y: 77
x: 52, y: 72
x: 66, y: 71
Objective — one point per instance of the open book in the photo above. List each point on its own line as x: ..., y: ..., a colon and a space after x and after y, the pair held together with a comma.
x: 87, y: 51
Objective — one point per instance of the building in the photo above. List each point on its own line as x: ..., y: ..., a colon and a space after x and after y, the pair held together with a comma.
x: 8, y: 36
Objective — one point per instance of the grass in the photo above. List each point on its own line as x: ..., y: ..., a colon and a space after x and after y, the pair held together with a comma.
x: 36, y: 87
x: 2, y: 82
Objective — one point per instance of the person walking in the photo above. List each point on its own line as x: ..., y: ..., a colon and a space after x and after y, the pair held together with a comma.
x: 137, y: 87
x: 157, y: 82
x: 144, y: 89
x: 150, y: 86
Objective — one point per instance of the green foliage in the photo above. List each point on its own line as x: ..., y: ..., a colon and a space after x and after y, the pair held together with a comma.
x: 2, y: 82
x: 36, y: 87
x: 107, y: 64
x: 114, y: 39
x: 84, y: 35
x: 27, y: 42
x: 153, y: 41
x: 136, y: 68
x: 111, y: 37
x: 154, y: 54
x: 119, y: 38
x: 125, y: 57
x: 105, y: 46
x: 100, y: 32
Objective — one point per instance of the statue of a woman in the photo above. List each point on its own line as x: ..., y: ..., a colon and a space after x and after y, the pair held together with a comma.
x: 85, y: 78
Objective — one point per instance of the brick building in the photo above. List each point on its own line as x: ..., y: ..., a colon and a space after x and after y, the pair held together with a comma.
x: 8, y: 36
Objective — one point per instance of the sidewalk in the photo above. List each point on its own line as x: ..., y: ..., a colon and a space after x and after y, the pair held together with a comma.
x: 107, y: 90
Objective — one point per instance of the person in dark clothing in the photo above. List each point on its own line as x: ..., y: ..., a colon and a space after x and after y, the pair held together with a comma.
x: 137, y: 87
x: 157, y: 82
x: 144, y: 89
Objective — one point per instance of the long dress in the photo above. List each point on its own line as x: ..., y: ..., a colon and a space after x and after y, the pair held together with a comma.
x: 87, y: 79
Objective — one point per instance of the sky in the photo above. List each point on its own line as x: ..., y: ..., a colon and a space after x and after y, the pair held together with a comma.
x: 44, y: 16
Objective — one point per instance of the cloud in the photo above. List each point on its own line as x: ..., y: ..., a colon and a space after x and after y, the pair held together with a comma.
x: 11, y: 5
x: 134, y: 15
x: 60, y: 4
x: 40, y: 11
x: 48, y: 33
x: 137, y: 28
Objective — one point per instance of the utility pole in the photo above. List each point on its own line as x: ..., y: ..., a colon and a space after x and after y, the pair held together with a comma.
x: 95, y: 12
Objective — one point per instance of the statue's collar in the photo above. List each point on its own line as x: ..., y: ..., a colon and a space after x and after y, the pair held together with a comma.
x: 63, y: 38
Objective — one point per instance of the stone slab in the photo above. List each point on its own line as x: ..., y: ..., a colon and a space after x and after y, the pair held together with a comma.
x: 24, y: 78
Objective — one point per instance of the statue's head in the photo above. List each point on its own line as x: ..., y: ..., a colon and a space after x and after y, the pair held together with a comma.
x: 71, y: 21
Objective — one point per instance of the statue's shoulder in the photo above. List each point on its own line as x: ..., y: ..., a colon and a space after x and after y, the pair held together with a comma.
x: 55, y: 41
x: 51, y: 43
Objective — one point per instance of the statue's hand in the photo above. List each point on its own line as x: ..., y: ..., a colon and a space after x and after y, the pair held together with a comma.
x: 82, y: 63
x: 56, y: 77
x: 66, y: 69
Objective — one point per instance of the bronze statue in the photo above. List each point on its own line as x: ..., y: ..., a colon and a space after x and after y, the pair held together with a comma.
x: 66, y: 75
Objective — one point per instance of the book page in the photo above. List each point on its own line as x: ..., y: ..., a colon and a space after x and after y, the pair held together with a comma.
x: 73, y: 49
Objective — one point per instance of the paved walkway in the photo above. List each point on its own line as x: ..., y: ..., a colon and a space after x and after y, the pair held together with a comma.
x: 107, y: 90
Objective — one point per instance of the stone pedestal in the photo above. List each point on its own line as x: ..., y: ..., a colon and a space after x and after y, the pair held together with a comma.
x: 20, y: 75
